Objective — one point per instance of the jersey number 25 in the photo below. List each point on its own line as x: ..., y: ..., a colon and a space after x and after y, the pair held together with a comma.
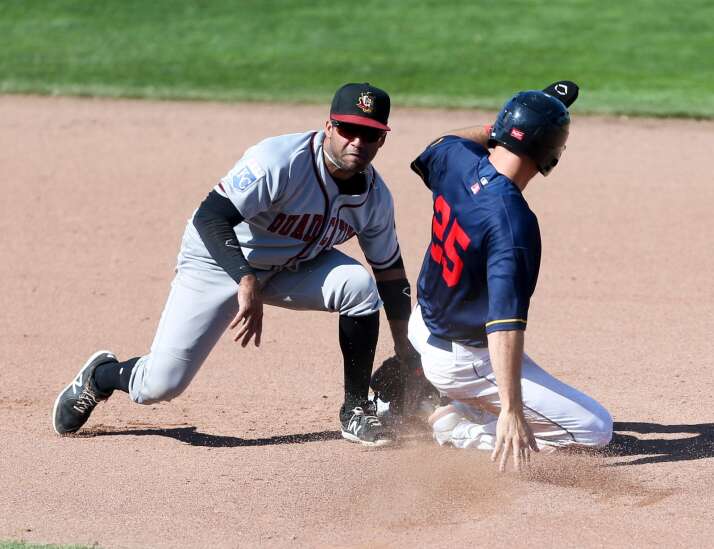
x: 444, y: 251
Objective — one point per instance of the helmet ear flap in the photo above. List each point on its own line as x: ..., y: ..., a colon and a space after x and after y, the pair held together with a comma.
x: 545, y: 170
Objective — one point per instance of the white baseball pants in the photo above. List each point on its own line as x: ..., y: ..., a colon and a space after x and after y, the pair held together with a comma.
x: 203, y: 301
x: 558, y: 414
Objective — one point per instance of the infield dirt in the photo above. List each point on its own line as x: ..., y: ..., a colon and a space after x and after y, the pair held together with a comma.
x: 96, y: 194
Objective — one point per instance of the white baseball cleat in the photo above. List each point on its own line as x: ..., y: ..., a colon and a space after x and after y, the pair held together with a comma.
x: 443, y: 420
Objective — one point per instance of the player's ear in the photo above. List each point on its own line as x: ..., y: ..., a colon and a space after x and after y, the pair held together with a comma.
x: 328, y: 131
x: 382, y: 139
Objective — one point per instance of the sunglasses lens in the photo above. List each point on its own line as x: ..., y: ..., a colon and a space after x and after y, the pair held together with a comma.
x: 352, y: 131
x: 372, y: 135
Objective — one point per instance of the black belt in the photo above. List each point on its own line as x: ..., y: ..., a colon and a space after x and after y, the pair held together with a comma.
x: 443, y: 344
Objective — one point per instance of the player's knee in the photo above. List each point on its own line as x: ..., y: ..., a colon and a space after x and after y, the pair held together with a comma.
x: 164, y: 391
x: 602, y: 434
x: 597, y: 431
x: 358, y: 295
x: 163, y: 378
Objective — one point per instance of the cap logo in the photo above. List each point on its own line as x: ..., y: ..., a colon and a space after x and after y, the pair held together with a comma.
x: 366, y: 102
x: 517, y: 134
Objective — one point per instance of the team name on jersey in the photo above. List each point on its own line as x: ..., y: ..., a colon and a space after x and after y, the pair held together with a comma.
x: 307, y: 226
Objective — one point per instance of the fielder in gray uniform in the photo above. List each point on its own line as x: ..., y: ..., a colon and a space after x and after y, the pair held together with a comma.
x: 265, y: 235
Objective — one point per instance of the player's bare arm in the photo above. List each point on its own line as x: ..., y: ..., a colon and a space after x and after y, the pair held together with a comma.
x: 249, y: 320
x: 565, y: 90
x: 478, y: 134
x: 215, y: 220
x: 513, y: 434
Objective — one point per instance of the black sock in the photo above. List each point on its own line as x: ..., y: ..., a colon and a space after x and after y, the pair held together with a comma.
x: 114, y: 375
x: 358, y: 341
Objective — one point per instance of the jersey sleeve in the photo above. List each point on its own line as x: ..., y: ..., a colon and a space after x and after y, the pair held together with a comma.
x: 513, y: 262
x: 433, y: 161
x: 379, y: 239
x: 249, y: 186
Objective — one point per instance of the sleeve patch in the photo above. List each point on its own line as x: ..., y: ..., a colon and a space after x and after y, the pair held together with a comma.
x: 247, y: 176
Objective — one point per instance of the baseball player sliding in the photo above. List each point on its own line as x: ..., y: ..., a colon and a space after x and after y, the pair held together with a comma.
x: 476, y: 281
x: 266, y: 234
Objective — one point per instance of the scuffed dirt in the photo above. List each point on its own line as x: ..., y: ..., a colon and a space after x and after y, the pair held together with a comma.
x: 95, y: 197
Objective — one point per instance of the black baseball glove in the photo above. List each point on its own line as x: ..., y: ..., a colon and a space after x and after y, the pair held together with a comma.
x: 402, y: 384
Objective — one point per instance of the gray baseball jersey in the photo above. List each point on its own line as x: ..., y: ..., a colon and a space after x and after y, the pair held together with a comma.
x: 294, y: 213
x: 293, y: 209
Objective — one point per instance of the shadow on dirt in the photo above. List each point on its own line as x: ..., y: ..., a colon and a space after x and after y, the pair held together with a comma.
x: 189, y: 435
x: 657, y: 450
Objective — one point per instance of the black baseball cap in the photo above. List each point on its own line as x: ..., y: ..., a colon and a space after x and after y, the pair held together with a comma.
x: 361, y: 104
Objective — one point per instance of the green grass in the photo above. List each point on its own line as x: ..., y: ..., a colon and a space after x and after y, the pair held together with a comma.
x: 635, y: 56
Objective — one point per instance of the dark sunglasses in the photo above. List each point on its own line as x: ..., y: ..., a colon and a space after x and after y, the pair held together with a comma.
x: 351, y: 131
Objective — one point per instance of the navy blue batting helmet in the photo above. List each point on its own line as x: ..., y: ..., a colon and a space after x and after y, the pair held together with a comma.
x: 533, y: 124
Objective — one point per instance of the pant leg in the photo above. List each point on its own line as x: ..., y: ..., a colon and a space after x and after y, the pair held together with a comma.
x: 558, y: 414
x: 200, y: 306
x: 333, y: 282
x: 202, y: 303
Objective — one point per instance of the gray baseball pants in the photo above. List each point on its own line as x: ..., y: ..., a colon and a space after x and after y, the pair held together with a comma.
x: 202, y: 303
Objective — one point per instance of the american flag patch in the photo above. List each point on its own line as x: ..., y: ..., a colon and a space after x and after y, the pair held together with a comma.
x: 517, y: 134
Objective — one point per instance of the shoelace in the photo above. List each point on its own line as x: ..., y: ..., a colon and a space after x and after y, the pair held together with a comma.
x: 85, y: 401
x: 371, y: 420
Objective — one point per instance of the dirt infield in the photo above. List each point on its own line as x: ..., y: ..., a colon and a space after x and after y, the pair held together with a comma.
x: 95, y: 197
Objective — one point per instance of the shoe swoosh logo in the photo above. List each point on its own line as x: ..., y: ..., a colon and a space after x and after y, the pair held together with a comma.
x: 77, y: 384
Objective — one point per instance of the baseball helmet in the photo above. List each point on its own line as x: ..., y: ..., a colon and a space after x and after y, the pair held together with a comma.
x: 533, y: 124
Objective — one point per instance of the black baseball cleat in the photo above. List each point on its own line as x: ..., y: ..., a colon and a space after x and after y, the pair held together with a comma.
x: 361, y: 424
x: 75, y: 403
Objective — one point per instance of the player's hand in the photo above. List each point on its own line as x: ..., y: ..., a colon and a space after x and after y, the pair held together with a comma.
x: 249, y: 319
x: 404, y: 350
x: 414, y: 385
x: 513, y: 436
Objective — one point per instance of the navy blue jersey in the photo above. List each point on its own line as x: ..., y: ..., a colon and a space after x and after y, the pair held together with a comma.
x: 482, y: 265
